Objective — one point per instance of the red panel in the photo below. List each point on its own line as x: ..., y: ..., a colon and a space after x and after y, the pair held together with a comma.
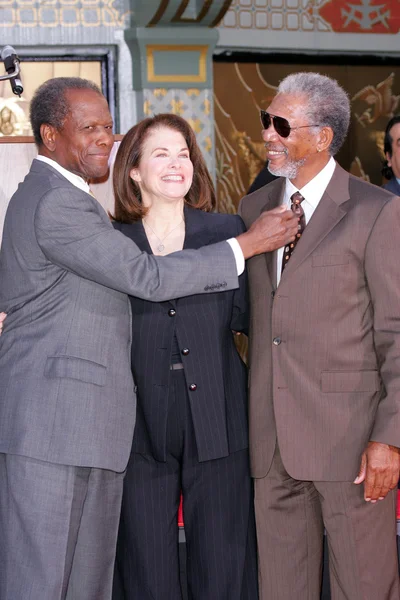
x: 398, y: 505
x: 180, y: 513
x: 362, y: 16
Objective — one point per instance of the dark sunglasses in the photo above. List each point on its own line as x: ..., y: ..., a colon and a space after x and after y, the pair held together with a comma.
x: 281, y: 125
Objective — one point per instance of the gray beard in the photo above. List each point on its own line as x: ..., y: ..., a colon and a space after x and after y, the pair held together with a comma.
x: 289, y: 170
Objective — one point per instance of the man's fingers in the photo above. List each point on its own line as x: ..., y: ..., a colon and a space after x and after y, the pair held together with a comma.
x: 383, y: 462
x: 386, y: 485
x: 395, y: 480
x: 286, y: 214
x: 279, y: 209
x: 289, y: 218
x: 378, y: 487
x: 272, y: 230
x: 363, y: 470
x: 369, y: 485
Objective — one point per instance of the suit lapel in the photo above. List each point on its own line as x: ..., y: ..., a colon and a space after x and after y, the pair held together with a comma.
x: 329, y: 212
x: 274, y: 199
x: 197, y: 233
x: 136, y: 232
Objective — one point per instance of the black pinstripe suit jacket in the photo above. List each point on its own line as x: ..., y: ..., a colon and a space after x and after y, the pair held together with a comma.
x: 203, y: 325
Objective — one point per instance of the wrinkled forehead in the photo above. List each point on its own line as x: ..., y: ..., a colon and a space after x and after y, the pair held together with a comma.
x: 289, y: 106
x: 83, y: 103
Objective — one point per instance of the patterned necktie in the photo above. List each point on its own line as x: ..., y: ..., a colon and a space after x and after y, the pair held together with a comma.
x: 296, y: 207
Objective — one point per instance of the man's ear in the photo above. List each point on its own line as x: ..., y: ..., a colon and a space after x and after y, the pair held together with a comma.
x: 135, y: 175
x: 325, y: 137
x: 48, y: 133
x: 388, y: 158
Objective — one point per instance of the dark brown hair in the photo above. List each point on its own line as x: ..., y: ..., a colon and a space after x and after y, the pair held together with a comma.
x: 128, y: 204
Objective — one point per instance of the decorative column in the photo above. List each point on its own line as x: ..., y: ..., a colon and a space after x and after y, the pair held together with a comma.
x: 172, y: 43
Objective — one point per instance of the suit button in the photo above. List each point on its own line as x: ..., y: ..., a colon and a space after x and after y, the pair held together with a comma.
x: 171, y: 312
x: 276, y: 341
x: 192, y: 387
x: 185, y: 351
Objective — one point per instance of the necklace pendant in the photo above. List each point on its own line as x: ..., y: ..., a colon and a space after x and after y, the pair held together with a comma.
x: 160, y: 247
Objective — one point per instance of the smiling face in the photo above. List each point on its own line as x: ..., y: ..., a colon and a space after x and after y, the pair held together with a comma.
x: 84, y: 143
x: 165, y: 171
x: 302, y: 154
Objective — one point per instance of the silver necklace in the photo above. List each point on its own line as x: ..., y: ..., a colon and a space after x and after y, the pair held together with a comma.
x: 161, y: 246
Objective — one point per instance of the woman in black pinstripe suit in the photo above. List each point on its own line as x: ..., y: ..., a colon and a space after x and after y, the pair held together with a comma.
x: 191, y: 430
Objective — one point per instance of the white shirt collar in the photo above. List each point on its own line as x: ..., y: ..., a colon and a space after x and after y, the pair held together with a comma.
x: 314, y: 189
x: 72, y: 178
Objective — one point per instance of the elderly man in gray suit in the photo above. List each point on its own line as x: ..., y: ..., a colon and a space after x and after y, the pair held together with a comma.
x: 67, y: 399
x: 324, y: 360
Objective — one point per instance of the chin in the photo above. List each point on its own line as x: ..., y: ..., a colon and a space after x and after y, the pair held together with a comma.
x: 289, y: 170
x: 98, y: 173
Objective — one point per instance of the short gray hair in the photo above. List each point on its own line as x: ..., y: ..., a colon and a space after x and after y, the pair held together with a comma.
x: 328, y: 103
x: 49, y: 104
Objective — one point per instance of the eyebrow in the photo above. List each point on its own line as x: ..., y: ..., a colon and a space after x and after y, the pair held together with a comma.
x: 166, y: 149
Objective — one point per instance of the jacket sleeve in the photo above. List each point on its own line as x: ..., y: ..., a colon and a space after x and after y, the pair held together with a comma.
x: 240, y: 312
x: 74, y: 233
x: 383, y: 278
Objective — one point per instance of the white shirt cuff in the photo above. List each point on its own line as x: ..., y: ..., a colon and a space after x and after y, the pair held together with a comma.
x: 237, y: 251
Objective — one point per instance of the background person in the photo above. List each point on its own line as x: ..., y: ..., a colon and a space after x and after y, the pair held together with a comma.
x: 67, y: 400
x: 391, y: 147
x: 191, y: 431
x: 324, y: 360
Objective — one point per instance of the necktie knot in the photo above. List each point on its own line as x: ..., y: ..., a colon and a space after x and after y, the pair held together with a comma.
x: 297, y: 199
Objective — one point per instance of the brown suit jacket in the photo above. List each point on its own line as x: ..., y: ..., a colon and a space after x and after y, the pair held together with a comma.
x: 324, y: 348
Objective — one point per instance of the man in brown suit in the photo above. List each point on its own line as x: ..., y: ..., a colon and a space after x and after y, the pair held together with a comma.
x: 324, y: 360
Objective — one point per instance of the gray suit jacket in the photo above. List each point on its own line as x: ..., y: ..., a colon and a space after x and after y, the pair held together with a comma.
x: 325, y: 344
x: 66, y: 389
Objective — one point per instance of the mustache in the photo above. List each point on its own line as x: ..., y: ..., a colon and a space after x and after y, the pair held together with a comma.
x: 270, y: 146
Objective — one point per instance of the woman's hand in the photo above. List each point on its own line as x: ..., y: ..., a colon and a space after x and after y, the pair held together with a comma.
x: 2, y: 318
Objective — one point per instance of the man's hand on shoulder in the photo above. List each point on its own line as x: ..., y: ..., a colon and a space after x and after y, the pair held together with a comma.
x: 380, y: 470
x: 272, y: 230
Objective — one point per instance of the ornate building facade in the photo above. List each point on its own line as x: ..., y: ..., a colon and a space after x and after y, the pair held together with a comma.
x: 216, y: 63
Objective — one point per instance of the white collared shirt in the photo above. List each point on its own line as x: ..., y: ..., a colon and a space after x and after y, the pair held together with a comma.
x: 76, y: 180
x: 82, y: 185
x: 312, y: 193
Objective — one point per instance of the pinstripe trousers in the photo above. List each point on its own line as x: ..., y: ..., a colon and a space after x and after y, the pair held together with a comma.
x: 218, y: 514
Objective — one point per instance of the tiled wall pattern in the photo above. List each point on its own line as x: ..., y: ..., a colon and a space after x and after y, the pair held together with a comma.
x: 70, y: 13
x: 278, y: 15
x: 194, y: 105
x: 345, y: 16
